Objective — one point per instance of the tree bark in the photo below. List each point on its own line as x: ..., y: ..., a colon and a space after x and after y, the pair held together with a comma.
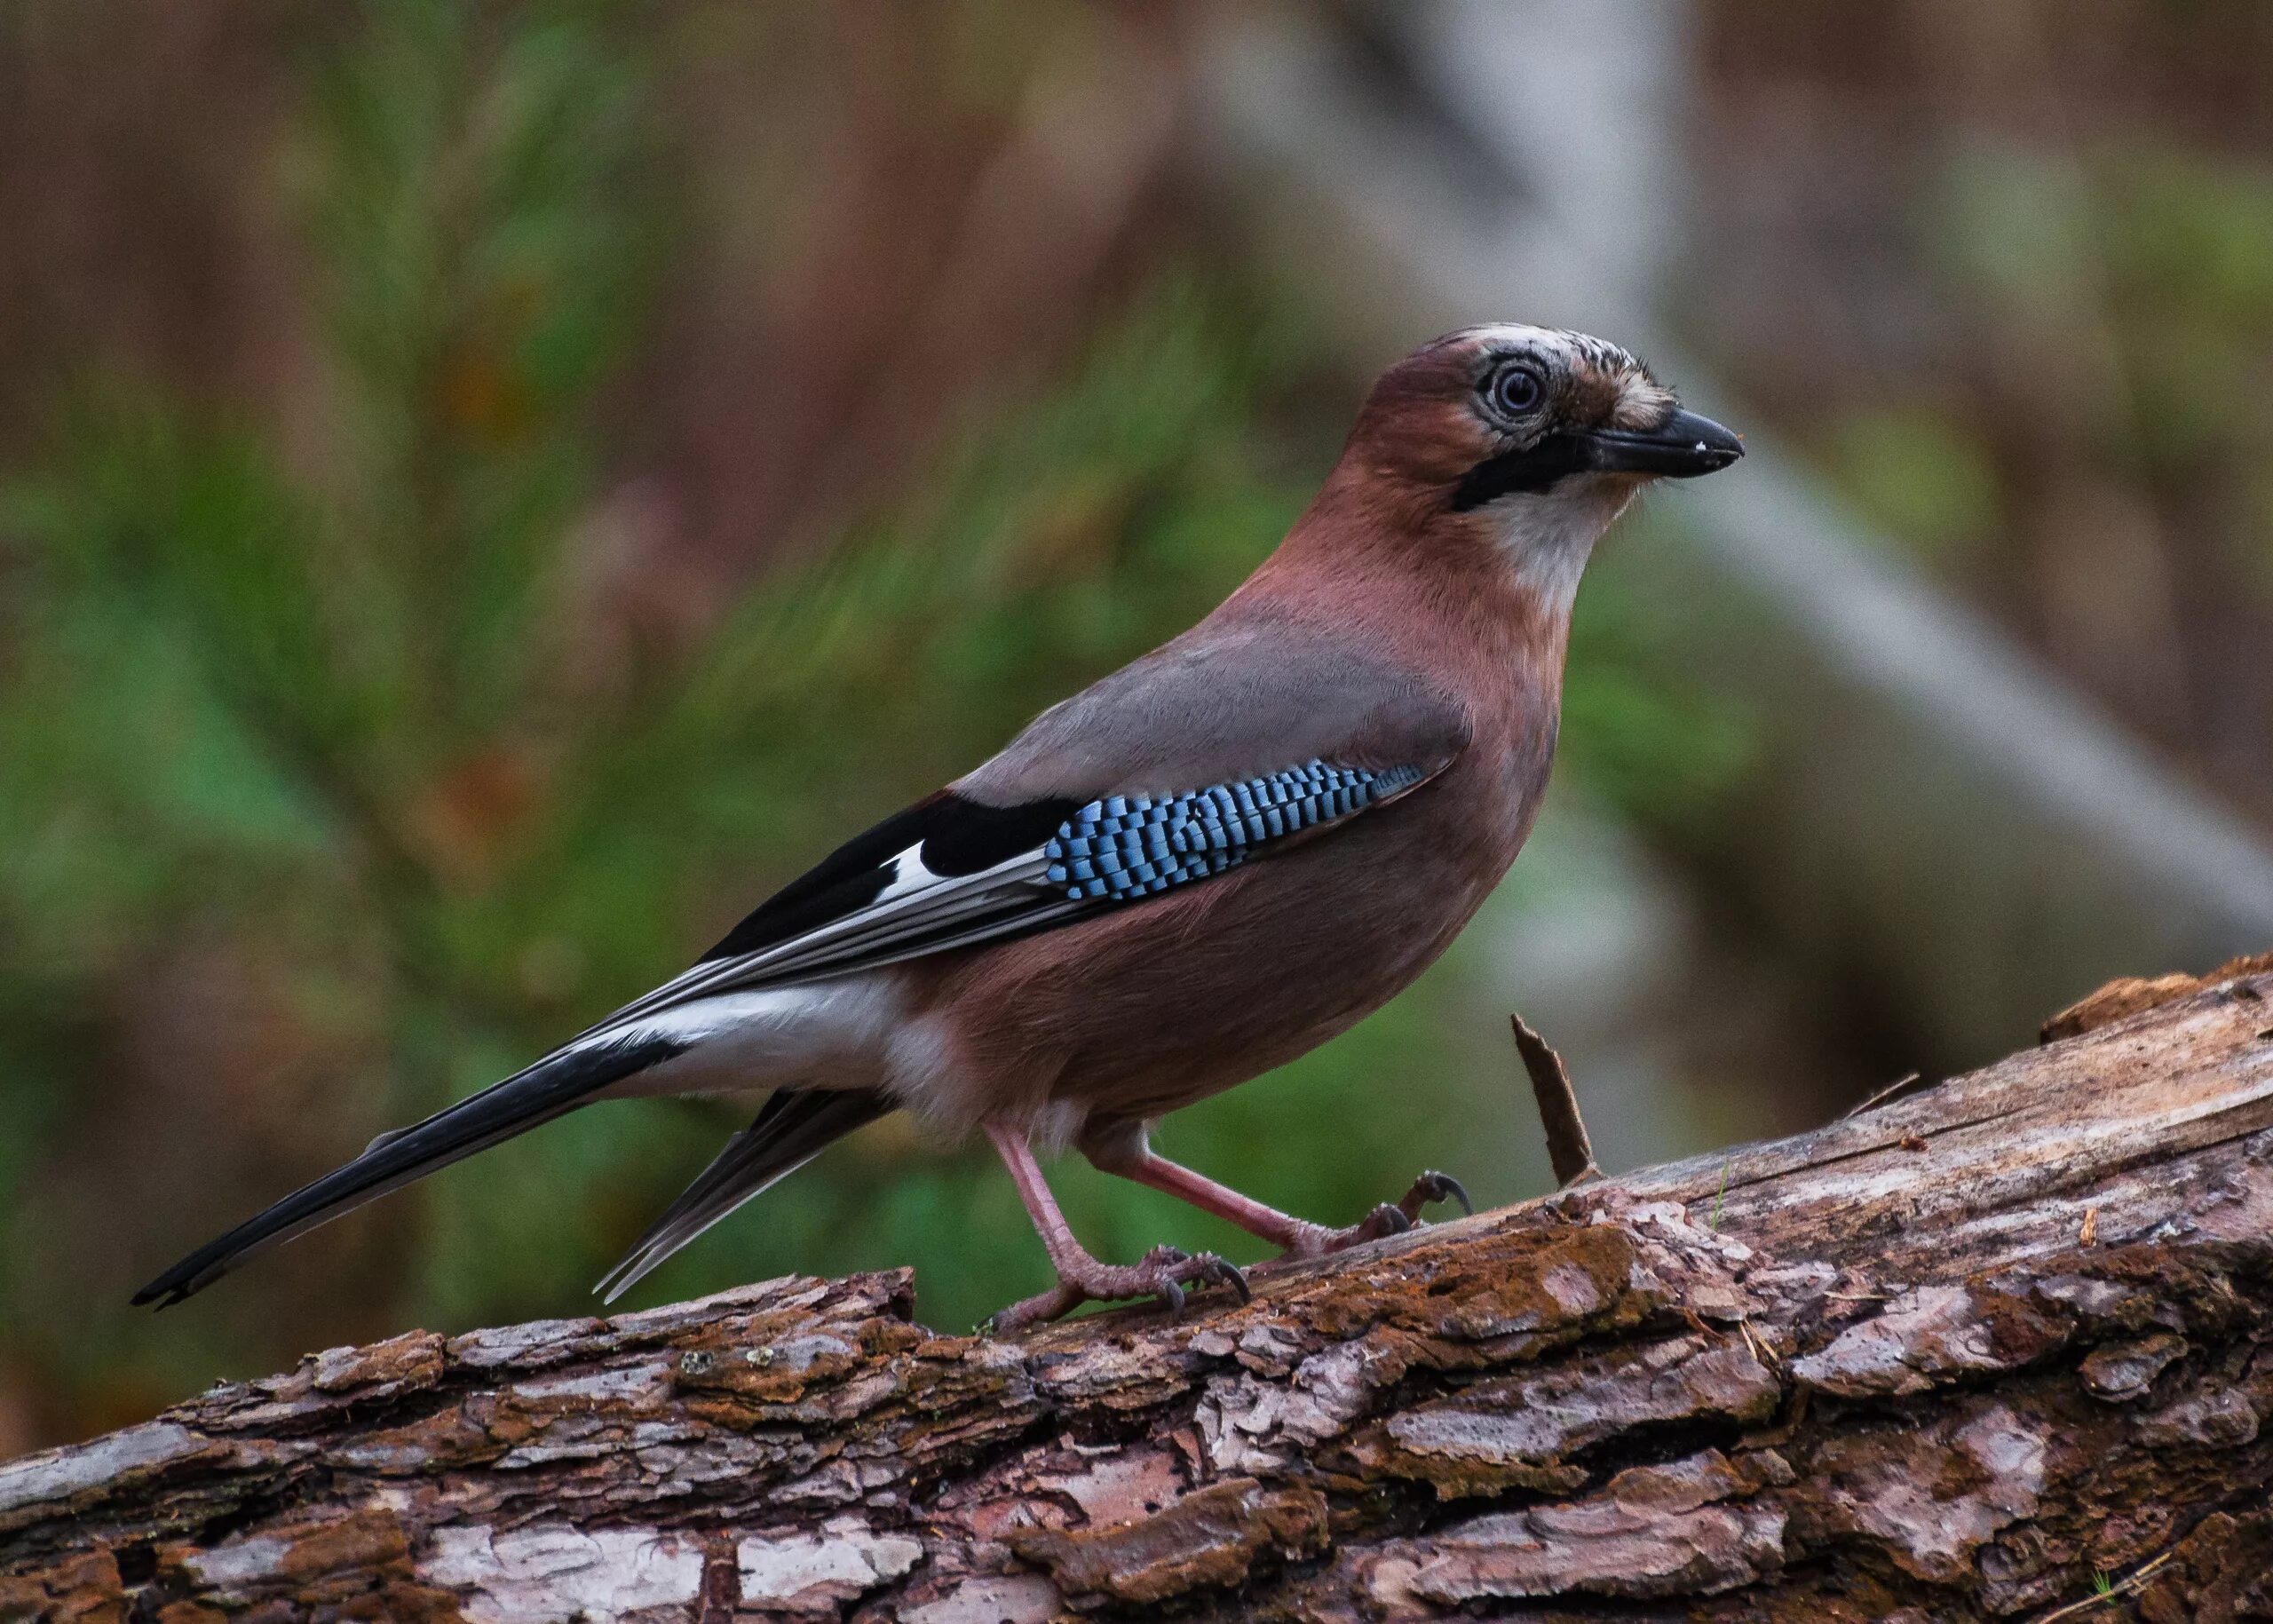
x: 1993, y: 1350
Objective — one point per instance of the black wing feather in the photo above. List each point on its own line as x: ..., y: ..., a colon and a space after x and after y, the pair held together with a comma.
x: 956, y: 836
x: 795, y: 1125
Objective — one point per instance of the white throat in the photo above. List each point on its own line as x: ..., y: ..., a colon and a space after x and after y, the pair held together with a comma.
x: 1548, y: 535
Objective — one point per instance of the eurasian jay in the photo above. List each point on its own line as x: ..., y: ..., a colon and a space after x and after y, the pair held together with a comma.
x: 1213, y: 860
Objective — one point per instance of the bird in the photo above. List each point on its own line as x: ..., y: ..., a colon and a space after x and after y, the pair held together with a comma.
x: 1205, y: 864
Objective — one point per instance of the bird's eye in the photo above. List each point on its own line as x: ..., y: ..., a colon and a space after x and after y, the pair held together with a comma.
x: 1516, y: 389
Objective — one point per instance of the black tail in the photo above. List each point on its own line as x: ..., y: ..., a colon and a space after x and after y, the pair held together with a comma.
x: 795, y: 1125
x: 555, y: 1085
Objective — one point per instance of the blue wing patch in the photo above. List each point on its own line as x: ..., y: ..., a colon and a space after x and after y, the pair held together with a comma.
x: 1129, y: 846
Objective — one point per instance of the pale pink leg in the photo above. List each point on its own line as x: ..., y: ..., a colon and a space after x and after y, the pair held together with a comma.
x: 1011, y: 1145
x: 1280, y: 1228
x: 1164, y: 1271
x: 1299, y: 1237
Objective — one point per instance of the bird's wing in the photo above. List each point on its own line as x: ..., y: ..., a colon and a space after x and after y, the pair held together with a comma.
x: 1171, y: 771
x: 1066, y: 861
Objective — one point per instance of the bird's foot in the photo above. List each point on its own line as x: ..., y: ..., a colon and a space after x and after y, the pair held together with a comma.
x: 1389, y: 1218
x: 1162, y: 1273
x: 1430, y: 1187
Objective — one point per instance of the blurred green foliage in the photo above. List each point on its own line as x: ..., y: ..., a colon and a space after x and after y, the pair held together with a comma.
x: 1643, y: 739
x: 2188, y: 238
x: 1919, y: 478
x: 2121, y: 297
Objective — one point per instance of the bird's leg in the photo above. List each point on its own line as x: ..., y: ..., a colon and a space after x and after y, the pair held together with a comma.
x: 1298, y: 1237
x: 1163, y: 1272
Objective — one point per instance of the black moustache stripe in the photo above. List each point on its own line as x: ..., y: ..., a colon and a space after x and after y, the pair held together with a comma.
x: 1537, y: 468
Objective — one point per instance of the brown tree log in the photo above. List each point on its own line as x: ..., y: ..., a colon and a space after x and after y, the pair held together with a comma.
x: 1997, y: 1350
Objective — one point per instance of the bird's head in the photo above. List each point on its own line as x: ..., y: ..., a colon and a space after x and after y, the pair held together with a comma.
x: 1529, y: 438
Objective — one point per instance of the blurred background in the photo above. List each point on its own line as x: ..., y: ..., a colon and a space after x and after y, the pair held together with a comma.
x: 489, y: 490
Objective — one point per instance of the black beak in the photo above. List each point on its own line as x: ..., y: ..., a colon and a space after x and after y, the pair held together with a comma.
x: 1684, y: 445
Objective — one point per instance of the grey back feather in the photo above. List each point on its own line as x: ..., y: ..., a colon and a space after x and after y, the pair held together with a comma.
x: 1229, y: 700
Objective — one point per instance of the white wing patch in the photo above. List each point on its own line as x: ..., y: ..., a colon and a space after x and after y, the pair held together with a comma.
x: 908, y: 874
x: 917, y: 911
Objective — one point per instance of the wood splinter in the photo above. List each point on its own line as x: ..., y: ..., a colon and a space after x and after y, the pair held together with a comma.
x: 1568, y: 1146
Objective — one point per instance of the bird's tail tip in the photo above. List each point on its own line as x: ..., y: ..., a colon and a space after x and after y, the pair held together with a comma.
x: 627, y: 1273
x: 169, y: 1289
x: 559, y: 1083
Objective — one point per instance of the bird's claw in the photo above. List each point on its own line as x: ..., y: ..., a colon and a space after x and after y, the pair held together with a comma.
x: 1390, y: 1218
x: 1163, y: 1273
x: 1178, y: 1268
x: 1217, y: 1271
x: 1433, y: 1186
